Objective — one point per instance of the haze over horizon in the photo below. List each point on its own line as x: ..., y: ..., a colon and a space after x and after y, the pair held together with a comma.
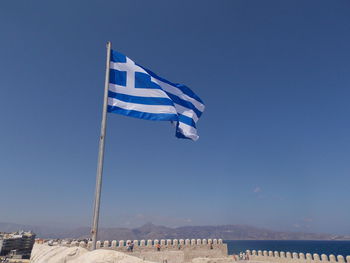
x: 274, y: 146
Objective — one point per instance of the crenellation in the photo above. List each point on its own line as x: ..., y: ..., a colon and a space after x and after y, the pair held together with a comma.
x: 106, y: 243
x: 308, y: 256
x: 340, y: 259
x: 190, y: 245
x: 316, y: 257
x: 324, y: 258
x: 98, y: 244
x: 194, y: 247
x: 332, y: 258
x: 114, y: 244
x: 288, y: 257
x: 89, y: 245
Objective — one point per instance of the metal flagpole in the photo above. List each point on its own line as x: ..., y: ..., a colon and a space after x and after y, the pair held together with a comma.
x: 101, y: 154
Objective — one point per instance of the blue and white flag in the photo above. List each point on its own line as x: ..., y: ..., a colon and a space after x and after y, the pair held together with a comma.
x: 137, y: 92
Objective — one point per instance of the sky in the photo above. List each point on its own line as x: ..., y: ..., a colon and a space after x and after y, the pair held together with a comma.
x: 274, y: 146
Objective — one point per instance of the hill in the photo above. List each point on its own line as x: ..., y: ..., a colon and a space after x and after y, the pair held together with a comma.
x: 150, y: 231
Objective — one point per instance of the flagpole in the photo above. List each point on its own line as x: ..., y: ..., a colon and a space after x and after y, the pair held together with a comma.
x: 94, y: 228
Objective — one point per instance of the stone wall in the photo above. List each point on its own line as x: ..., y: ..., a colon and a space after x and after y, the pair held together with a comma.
x: 288, y: 257
x: 171, y: 250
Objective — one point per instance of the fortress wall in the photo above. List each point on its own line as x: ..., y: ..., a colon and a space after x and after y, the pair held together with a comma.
x: 288, y: 257
x: 146, y: 244
x: 171, y: 250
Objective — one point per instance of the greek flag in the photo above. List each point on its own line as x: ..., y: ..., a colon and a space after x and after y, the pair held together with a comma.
x: 137, y: 92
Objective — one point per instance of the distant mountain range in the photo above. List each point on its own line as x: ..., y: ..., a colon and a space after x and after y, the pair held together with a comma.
x: 150, y: 231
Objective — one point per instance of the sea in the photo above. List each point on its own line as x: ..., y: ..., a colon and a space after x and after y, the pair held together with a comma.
x: 299, y: 246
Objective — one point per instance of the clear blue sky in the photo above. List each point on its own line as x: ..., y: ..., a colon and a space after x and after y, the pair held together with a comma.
x: 274, y: 147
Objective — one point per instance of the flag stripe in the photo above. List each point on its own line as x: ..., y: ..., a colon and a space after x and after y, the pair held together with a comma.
x: 177, y: 92
x: 187, y: 120
x: 140, y: 100
x: 156, y: 93
x: 187, y: 131
x: 187, y: 112
x: 143, y: 115
x: 142, y: 107
x: 181, y: 87
x: 184, y: 103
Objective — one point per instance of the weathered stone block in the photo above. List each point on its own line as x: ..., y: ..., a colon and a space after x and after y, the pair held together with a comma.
x: 82, y: 244
x: 324, y: 257
x: 316, y: 257
x: 98, y: 244
x: 332, y: 258
x: 114, y: 244
x: 340, y: 259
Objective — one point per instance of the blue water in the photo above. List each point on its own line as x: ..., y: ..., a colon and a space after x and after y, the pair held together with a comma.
x: 303, y: 246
